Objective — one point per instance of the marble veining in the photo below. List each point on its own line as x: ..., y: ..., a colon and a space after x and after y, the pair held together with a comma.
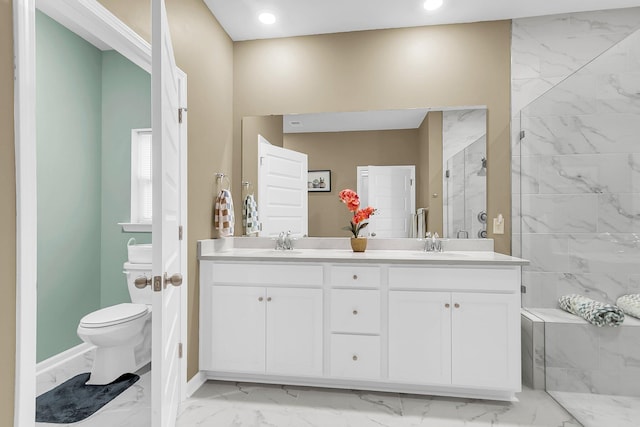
x: 597, y: 410
x: 238, y: 404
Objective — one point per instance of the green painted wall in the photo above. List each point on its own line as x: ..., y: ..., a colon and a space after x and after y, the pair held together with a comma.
x: 87, y: 103
x: 126, y: 105
x: 68, y: 111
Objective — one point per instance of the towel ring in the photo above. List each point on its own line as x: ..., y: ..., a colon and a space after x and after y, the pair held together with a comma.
x: 219, y: 179
x: 246, y: 185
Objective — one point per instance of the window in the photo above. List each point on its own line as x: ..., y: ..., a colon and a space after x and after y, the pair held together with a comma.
x: 141, y: 183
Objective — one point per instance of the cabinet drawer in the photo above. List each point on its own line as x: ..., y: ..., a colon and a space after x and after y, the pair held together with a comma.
x: 355, y: 356
x: 455, y: 278
x: 355, y: 276
x: 267, y: 274
x: 355, y: 311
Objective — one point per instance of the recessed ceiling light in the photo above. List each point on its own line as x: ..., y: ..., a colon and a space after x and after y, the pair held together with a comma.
x: 432, y: 4
x: 269, y: 18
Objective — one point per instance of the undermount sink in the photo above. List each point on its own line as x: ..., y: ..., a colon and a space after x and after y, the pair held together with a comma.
x: 425, y: 254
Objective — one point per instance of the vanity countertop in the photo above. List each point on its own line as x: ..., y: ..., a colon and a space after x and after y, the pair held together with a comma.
x: 370, y: 256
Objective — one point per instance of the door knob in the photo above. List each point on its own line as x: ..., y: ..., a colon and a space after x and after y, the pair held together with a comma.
x: 142, y: 282
x: 175, y: 280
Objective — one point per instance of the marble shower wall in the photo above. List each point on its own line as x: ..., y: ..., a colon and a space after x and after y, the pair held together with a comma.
x: 576, y: 174
x: 464, y: 192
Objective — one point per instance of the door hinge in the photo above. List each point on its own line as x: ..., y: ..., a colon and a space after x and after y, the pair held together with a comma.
x: 180, y: 110
x: 447, y: 173
x: 157, y: 283
x: 180, y: 233
x: 523, y: 289
x: 180, y: 350
x: 411, y: 182
x: 521, y: 134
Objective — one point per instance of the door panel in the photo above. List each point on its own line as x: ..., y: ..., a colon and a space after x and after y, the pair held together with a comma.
x: 392, y: 192
x: 419, y: 337
x: 484, y: 340
x: 294, y: 331
x: 167, y: 259
x: 282, y: 190
x: 237, y: 329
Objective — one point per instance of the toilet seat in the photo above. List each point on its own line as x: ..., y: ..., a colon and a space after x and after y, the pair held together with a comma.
x: 114, y: 315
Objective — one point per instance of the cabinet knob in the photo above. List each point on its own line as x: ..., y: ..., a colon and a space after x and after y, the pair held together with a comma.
x: 268, y: 299
x: 456, y: 305
x: 355, y: 277
x: 355, y: 312
x: 260, y: 299
x: 447, y: 305
x: 355, y: 358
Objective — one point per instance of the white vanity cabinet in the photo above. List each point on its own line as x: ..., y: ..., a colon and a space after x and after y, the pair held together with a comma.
x: 465, y: 338
x: 443, y: 328
x: 270, y: 329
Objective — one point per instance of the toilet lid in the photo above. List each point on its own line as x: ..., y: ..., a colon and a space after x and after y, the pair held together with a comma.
x: 113, y: 315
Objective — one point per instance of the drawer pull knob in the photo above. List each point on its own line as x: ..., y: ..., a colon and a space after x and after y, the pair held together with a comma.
x: 456, y: 305
x: 355, y: 312
x: 355, y: 277
x: 355, y: 358
x: 268, y: 299
x: 260, y: 299
x: 447, y: 305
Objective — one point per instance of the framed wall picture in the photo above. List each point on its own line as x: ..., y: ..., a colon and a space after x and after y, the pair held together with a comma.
x: 319, y: 181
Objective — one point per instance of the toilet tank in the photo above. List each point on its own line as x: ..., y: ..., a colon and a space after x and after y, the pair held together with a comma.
x: 133, y: 271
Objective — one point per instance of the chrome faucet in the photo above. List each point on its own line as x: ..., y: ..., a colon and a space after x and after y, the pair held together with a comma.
x: 280, y: 241
x: 432, y: 243
x: 288, y: 241
x: 284, y: 241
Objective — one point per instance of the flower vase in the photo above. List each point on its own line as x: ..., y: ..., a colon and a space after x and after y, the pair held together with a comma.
x: 358, y: 244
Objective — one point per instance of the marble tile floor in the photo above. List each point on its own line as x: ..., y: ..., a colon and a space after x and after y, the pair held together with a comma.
x: 597, y: 410
x: 252, y: 405
x: 132, y: 408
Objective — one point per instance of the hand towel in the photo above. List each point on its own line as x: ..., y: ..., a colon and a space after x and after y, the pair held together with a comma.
x: 223, y: 214
x: 630, y: 304
x: 594, y: 312
x: 250, y: 220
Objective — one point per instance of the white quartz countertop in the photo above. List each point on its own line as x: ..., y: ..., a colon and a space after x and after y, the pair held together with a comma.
x: 370, y: 256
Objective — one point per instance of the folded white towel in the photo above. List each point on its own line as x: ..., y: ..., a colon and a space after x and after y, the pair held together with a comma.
x: 630, y: 304
x: 250, y: 215
x: 223, y: 219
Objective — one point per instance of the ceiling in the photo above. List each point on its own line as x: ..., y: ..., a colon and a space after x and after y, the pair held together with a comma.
x: 304, y: 17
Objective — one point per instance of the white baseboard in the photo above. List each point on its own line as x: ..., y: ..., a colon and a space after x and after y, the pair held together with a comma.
x: 195, y: 383
x: 64, y: 357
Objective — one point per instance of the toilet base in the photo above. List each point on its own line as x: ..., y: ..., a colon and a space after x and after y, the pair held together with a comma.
x: 110, y: 363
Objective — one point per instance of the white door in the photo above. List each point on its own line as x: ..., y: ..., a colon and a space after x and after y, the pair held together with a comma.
x: 420, y: 337
x: 238, y: 328
x: 167, y: 256
x: 294, y: 331
x: 485, y: 340
x: 282, y: 190
x: 391, y: 190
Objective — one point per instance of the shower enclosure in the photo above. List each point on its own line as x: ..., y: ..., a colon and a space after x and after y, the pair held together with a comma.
x: 577, y: 199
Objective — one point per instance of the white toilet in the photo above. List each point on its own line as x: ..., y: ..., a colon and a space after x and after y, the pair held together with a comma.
x: 122, y: 332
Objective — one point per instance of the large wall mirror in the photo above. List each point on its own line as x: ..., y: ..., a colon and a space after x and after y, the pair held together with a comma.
x: 428, y: 165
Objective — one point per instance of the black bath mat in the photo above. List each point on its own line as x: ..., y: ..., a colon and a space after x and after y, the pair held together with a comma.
x: 73, y: 400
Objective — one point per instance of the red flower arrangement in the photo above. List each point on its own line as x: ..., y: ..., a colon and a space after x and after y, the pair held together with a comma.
x: 352, y: 200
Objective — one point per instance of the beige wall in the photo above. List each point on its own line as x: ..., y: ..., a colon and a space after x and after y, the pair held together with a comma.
x: 270, y: 127
x: 342, y: 152
x: 434, y: 132
x: 205, y: 52
x: 7, y: 219
x: 449, y: 65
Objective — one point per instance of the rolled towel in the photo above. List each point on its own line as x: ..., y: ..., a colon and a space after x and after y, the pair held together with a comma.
x: 594, y: 312
x: 630, y: 304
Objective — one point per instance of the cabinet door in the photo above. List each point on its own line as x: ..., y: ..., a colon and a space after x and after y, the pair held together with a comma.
x: 237, y: 329
x: 485, y: 340
x: 294, y: 331
x: 420, y: 337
